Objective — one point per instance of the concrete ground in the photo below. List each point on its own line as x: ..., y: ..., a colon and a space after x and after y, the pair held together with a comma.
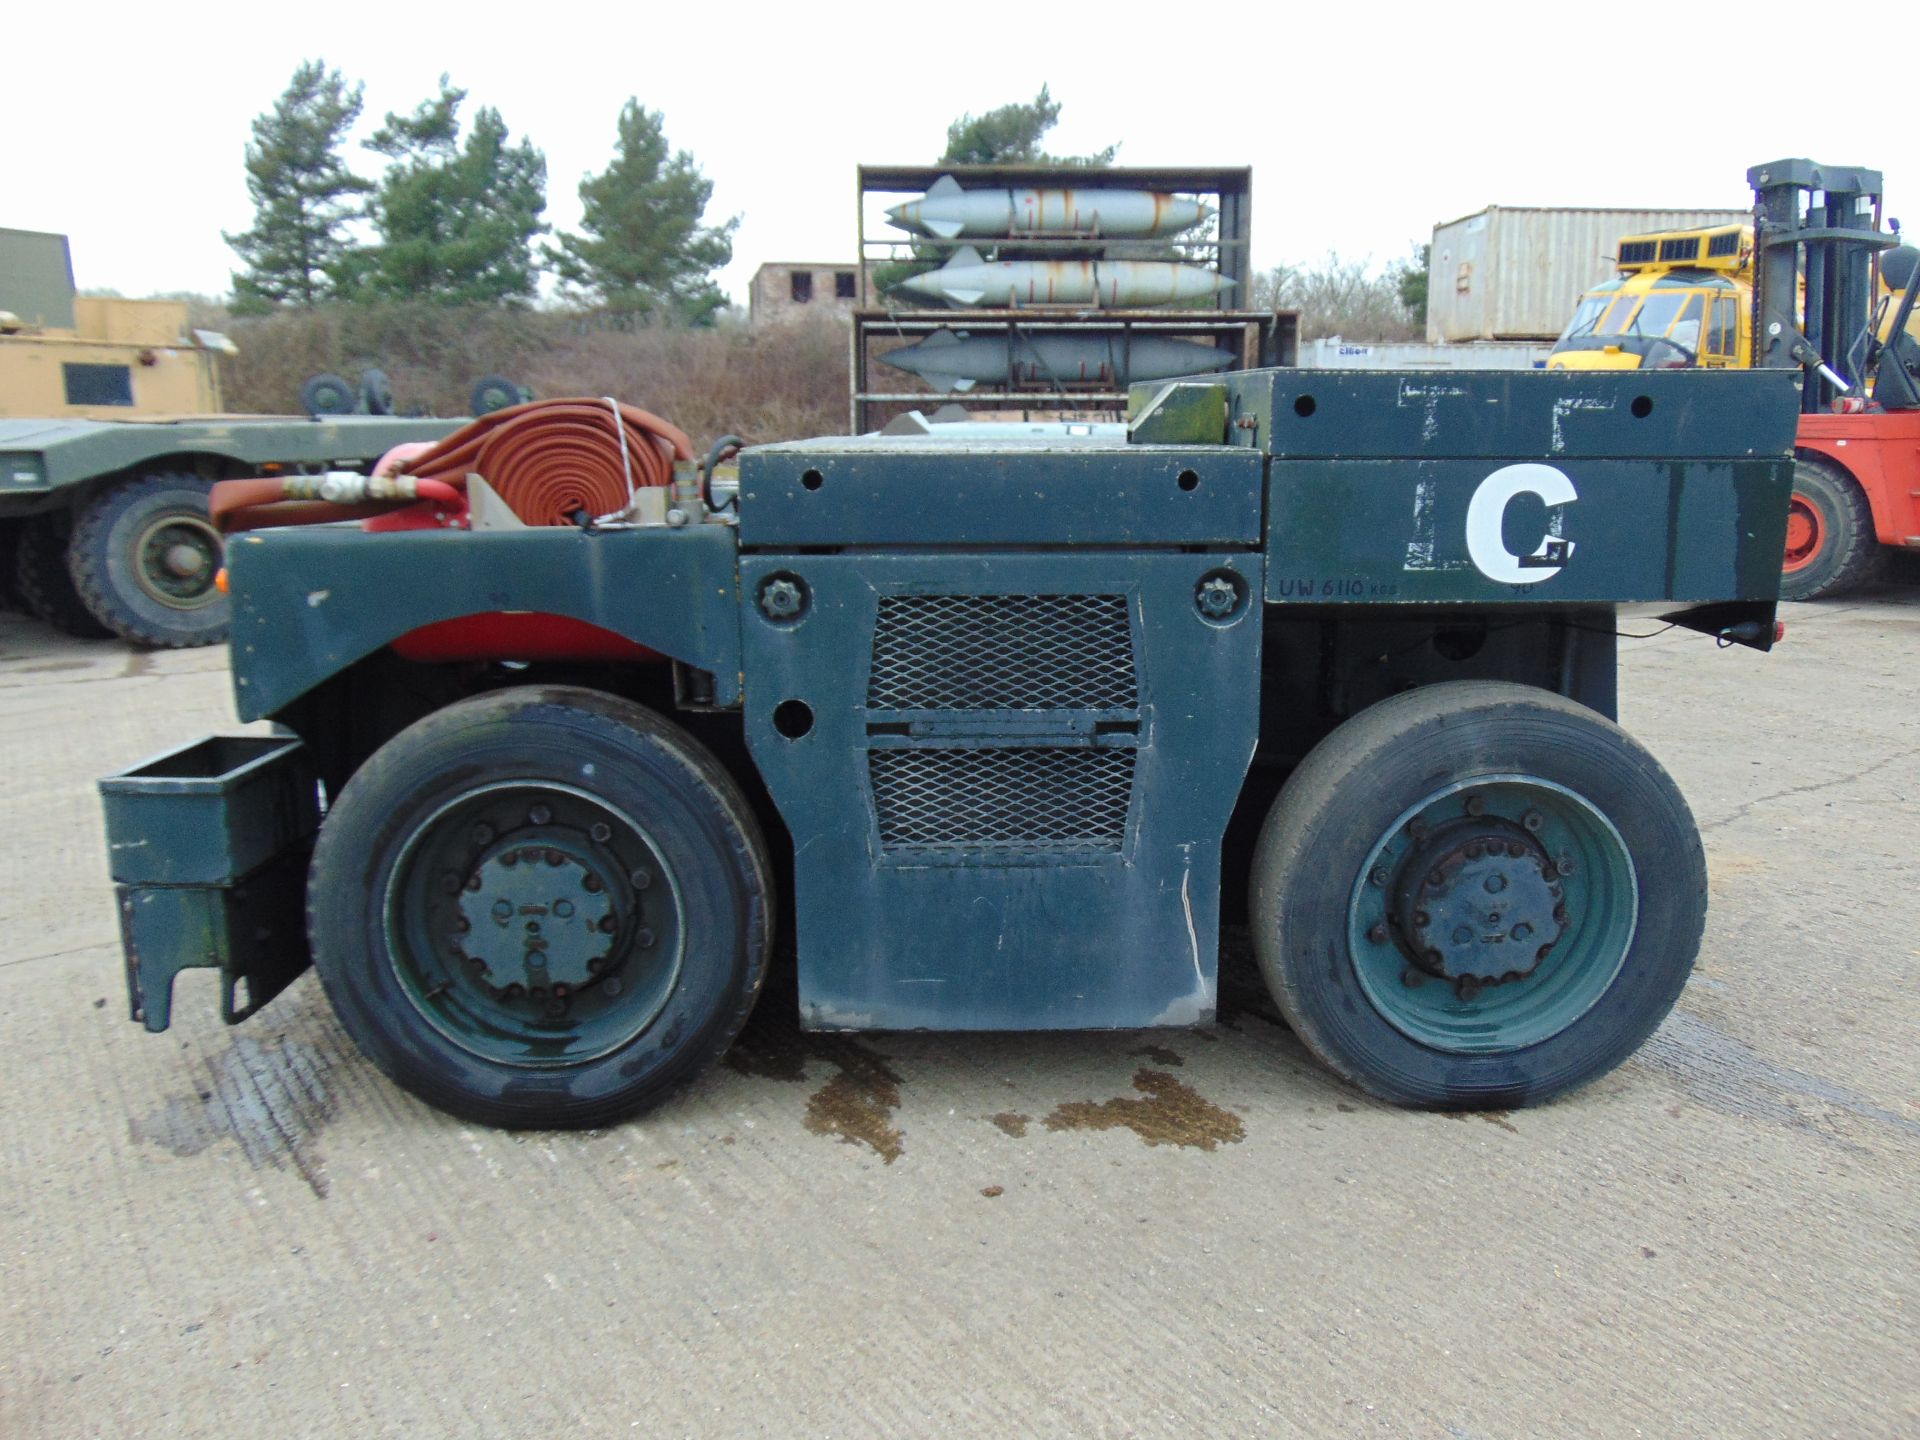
x: 223, y: 1232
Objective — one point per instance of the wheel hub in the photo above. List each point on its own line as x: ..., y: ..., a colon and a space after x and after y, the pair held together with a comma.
x: 1803, y: 532
x: 1479, y: 902
x: 540, y: 916
x: 177, y: 556
x: 533, y: 923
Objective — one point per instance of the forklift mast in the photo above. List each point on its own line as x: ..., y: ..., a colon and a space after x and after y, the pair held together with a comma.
x: 1822, y: 221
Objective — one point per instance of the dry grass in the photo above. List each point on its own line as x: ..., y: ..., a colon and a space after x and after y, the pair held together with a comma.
x: 776, y: 384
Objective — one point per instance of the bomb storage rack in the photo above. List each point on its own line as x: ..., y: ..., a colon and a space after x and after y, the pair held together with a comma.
x: 1031, y: 357
x: 1029, y: 390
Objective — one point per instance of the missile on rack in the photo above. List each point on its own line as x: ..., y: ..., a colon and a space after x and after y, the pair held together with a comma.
x: 966, y: 279
x: 948, y: 211
x: 959, y: 362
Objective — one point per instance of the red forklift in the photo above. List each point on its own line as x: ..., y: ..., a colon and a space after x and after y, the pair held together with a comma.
x: 1824, y: 254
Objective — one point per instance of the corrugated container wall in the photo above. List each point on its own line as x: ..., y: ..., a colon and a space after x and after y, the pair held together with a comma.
x: 1512, y: 274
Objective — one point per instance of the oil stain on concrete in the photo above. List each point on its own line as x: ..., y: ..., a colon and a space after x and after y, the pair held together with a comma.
x: 856, y: 1105
x: 271, y: 1098
x: 1171, y: 1114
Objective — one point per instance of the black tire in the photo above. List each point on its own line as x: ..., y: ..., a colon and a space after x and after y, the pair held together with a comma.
x: 44, y: 585
x: 1831, y: 546
x: 376, y: 393
x: 324, y: 394
x: 1316, y: 865
x: 429, y: 1001
x: 143, y: 559
x: 494, y: 392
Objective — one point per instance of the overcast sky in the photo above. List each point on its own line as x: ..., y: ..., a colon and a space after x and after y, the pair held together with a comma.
x: 1365, y: 123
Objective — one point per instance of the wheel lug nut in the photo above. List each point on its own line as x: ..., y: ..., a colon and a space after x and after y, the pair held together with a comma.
x: 463, y: 925
x: 643, y: 939
x: 596, y: 963
x: 540, y: 815
x: 641, y: 879
x: 483, y: 834
x: 473, y: 881
x: 561, y: 991
x: 1533, y: 821
x: 1515, y: 849
x: 601, y: 832
x: 1466, y: 987
x: 1377, y: 933
x: 1565, y: 862
x: 592, y: 883
x: 1476, y: 806
x: 1413, y: 979
x: 1560, y: 913
x: 1475, y: 850
x: 608, y: 924
x: 1380, y: 875
x: 511, y: 857
x: 555, y: 858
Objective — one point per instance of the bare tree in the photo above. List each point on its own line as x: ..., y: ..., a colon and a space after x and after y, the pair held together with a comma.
x: 1339, y: 297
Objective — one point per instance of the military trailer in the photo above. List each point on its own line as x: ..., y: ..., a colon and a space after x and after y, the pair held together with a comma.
x: 996, y: 733
x: 111, y: 433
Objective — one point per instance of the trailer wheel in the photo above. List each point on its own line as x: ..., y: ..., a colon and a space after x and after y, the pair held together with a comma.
x: 1477, y: 895
x: 541, y: 907
x: 41, y: 579
x: 144, y: 557
x: 1831, y: 545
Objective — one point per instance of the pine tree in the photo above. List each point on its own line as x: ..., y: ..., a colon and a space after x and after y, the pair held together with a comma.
x: 1011, y: 135
x: 456, y: 222
x: 642, y: 250
x: 303, y: 193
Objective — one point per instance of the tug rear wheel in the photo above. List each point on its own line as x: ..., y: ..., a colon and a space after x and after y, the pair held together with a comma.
x: 541, y: 907
x: 1477, y: 895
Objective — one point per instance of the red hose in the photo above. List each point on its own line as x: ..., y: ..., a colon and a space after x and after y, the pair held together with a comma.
x: 550, y: 461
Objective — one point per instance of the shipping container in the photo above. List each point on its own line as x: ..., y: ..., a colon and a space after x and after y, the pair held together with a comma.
x: 1337, y: 354
x: 1515, y: 274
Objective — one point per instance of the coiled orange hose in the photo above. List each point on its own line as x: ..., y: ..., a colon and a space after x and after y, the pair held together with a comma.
x: 551, y: 461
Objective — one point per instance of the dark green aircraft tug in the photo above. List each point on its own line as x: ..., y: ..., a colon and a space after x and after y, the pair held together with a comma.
x: 993, y: 730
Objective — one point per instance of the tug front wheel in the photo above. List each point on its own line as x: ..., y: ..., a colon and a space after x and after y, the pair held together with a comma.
x: 544, y: 906
x: 1476, y: 896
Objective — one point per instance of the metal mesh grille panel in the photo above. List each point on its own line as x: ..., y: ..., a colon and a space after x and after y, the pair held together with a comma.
x: 1041, y: 798
x: 1002, y: 652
